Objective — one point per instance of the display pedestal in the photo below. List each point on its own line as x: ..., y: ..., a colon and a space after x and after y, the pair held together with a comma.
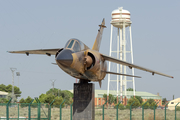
x: 83, y: 104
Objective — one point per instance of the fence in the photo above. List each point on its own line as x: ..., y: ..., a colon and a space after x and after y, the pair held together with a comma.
x: 41, y: 111
x: 24, y: 111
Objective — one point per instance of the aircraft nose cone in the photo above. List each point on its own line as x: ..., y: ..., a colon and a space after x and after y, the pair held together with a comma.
x: 65, y: 57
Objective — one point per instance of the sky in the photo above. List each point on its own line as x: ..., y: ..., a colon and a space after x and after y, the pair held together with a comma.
x: 26, y: 25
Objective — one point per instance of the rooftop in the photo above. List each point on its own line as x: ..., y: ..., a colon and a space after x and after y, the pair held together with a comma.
x: 3, y: 93
x: 144, y: 95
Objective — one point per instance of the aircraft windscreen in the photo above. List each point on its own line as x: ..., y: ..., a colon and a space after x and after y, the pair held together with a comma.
x: 76, y: 47
x: 70, y: 44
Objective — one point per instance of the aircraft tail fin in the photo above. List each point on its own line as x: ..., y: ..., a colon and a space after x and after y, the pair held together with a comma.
x: 97, y: 42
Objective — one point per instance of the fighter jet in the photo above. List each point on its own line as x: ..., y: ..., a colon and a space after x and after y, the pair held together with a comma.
x: 83, y: 63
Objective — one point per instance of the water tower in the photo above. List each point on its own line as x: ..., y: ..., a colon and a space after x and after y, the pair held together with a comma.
x: 122, y: 23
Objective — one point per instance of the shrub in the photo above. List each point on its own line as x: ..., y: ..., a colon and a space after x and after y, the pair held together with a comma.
x: 3, y: 100
x: 23, y: 105
x: 121, y: 106
x: 127, y: 106
x: 177, y: 108
x: 146, y: 106
x: 152, y: 105
x: 136, y: 102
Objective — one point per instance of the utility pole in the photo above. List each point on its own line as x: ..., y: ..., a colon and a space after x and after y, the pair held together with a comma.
x: 53, y: 81
x: 12, y: 70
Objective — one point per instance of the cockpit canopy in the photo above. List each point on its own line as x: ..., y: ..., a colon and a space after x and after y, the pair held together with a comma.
x: 75, y: 45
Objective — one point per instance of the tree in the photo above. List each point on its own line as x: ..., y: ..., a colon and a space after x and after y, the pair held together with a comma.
x: 3, y: 100
x: 3, y: 87
x: 22, y: 100
x: 64, y: 93
x: 139, y: 98
x: 28, y: 99
x: 42, y: 98
x: 67, y: 95
x: 152, y: 105
x: 121, y: 106
x: 54, y: 92
x: 17, y: 91
x: 8, y: 89
x: 136, y: 104
x: 164, y: 101
x: 58, y: 101
x: 115, y: 100
x: 49, y: 98
x: 9, y: 96
x: 129, y: 89
x: 111, y: 98
x: 150, y: 101
x: 146, y: 105
x: 70, y: 101
x: 105, y: 97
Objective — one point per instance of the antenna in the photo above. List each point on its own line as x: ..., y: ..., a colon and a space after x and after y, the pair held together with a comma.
x: 53, y: 81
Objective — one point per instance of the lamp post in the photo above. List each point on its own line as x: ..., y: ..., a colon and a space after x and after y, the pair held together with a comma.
x: 12, y: 70
x: 18, y: 74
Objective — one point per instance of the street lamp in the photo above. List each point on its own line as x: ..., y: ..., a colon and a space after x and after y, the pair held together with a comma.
x: 18, y: 74
x: 13, y: 69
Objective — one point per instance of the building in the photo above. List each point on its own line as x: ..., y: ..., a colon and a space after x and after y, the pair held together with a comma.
x: 99, y: 100
x: 3, y: 94
x: 144, y: 95
x: 173, y: 103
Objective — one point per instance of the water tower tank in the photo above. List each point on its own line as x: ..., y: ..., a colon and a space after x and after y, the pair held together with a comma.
x: 120, y: 16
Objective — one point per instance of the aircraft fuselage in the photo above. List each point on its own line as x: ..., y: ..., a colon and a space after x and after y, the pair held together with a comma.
x: 84, y: 64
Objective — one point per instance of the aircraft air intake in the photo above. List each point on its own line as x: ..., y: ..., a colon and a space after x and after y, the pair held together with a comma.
x: 89, y: 61
x: 58, y: 52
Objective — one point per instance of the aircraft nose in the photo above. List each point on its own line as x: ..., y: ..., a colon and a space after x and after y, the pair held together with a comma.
x: 65, y: 57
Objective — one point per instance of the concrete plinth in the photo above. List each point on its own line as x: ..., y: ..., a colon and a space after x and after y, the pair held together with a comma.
x: 83, y: 105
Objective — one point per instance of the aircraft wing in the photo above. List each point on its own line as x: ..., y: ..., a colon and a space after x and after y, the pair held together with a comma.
x: 48, y: 52
x: 130, y: 65
x: 120, y: 74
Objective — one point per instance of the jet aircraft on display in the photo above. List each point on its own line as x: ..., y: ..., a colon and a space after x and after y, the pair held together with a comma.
x: 86, y: 64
